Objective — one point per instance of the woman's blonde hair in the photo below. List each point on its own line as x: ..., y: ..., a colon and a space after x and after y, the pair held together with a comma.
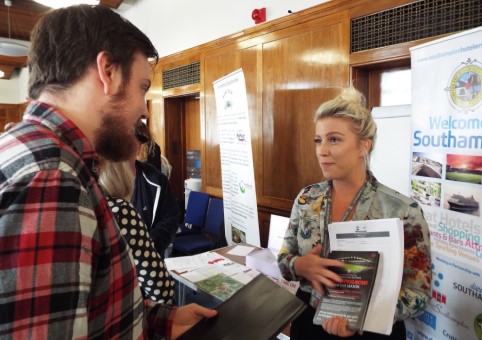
x: 148, y: 147
x: 116, y: 179
x: 351, y: 105
x: 166, y: 167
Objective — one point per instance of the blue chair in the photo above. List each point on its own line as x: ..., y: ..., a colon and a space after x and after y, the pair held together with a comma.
x: 197, y: 206
x: 212, y: 235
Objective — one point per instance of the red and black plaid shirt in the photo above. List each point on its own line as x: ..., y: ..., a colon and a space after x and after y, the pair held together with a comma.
x: 65, y: 271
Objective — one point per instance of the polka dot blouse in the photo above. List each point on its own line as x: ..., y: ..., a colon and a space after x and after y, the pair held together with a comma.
x: 154, y: 279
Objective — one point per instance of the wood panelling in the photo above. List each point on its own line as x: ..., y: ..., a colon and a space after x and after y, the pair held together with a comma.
x: 181, y: 116
x: 299, y: 73
x: 24, y: 14
x: 192, y: 123
x: 173, y: 116
x: 11, y: 113
x: 187, y: 89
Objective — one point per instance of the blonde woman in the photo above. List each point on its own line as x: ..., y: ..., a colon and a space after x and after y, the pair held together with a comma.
x: 117, y: 180
x: 345, y: 135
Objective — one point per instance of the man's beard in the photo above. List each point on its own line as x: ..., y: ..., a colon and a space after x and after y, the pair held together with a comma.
x: 115, y: 140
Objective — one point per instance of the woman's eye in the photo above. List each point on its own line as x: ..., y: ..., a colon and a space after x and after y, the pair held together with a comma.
x: 333, y: 139
x: 317, y: 140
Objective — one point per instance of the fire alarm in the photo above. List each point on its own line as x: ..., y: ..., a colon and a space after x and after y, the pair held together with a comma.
x: 259, y: 15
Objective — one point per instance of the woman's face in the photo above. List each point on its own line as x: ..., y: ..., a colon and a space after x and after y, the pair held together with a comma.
x: 338, y: 149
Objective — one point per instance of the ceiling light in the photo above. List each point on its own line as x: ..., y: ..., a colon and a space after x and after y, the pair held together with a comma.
x: 13, y: 48
x: 10, y: 47
x: 66, y: 3
x: 2, y: 74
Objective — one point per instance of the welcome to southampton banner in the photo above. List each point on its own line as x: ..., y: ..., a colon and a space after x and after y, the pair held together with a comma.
x: 446, y: 178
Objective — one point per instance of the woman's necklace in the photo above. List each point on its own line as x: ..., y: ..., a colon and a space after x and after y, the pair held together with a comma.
x: 326, y: 241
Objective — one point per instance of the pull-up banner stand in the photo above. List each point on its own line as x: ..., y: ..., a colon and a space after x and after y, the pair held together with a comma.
x: 446, y: 179
x: 239, y: 190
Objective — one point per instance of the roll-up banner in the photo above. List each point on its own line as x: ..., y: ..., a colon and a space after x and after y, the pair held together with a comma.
x: 239, y: 190
x: 446, y: 179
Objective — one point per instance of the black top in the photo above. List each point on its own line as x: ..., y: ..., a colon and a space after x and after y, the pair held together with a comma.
x: 155, y: 202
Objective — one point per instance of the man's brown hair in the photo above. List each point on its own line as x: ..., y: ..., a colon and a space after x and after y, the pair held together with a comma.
x: 66, y: 42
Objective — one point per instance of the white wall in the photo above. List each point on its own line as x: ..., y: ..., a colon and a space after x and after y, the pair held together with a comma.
x: 14, y: 90
x: 176, y: 25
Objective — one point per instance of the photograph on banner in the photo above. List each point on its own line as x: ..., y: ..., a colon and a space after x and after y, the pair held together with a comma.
x: 464, y: 168
x: 426, y: 192
x: 462, y: 198
x: 446, y: 172
x: 427, y: 165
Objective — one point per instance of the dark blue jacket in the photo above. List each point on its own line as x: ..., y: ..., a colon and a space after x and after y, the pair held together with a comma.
x: 154, y: 200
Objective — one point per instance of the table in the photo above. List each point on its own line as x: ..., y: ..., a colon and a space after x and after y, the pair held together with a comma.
x: 184, y: 282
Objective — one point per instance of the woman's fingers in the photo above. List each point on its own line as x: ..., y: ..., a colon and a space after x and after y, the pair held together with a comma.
x: 337, y: 326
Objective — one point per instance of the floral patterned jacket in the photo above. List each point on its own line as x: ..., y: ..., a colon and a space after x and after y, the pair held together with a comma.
x: 306, y: 230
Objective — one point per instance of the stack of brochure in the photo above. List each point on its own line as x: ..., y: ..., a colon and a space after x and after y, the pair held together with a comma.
x: 385, y: 236
x: 351, y: 297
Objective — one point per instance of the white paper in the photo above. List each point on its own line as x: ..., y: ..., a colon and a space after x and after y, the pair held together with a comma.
x: 187, y: 263
x: 246, y: 276
x: 205, y: 265
x: 265, y: 260
x: 202, y: 273
x: 385, y: 236
x: 277, y: 231
x: 241, y: 250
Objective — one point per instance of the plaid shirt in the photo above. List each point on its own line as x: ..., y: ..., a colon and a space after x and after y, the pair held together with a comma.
x: 65, y: 271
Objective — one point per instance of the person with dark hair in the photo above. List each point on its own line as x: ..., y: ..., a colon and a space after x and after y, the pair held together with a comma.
x: 66, y: 270
x: 153, y: 199
x: 345, y: 134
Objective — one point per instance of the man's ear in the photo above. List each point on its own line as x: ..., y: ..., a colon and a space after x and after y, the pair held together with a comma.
x: 108, y: 72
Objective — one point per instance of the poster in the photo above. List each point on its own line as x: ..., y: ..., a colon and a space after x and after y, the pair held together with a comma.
x: 239, y: 191
x: 446, y: 179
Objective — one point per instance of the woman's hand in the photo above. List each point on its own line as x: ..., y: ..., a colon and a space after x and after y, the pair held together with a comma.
x: 338, y: 326
x: 313, y: 267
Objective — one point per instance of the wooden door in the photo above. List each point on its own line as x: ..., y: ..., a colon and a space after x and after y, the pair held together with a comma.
x: 182, y: 132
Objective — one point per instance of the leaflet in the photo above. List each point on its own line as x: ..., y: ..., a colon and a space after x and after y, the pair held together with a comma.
x: 349, y: 298
x: 387, y: 237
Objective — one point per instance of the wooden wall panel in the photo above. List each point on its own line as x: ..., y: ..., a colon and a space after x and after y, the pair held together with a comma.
x: 11, y: 113
x: 173, y: 117
x: 299, y: 73
x: 192, y: 123
x: 215, y: 68
x: 156, y: 122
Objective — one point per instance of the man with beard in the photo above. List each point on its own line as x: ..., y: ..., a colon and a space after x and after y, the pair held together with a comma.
x: 65, y: 270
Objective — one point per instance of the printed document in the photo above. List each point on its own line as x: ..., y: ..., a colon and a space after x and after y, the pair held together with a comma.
x: 385, y: 236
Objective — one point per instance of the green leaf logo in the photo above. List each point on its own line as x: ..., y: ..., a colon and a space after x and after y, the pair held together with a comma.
x: 478, y: 326
x: 242, y: 187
